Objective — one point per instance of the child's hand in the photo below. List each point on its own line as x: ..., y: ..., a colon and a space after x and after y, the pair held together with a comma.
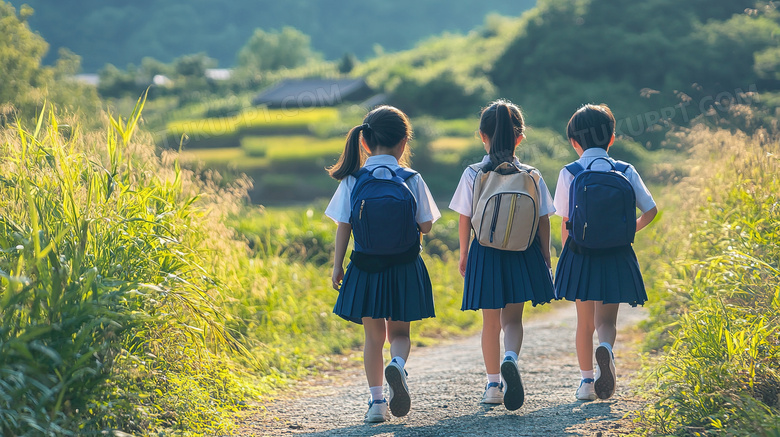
x: 338, y: 275
x: 462, y: 265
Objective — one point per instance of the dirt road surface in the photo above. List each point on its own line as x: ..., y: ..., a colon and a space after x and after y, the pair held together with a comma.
x: 446, y: 384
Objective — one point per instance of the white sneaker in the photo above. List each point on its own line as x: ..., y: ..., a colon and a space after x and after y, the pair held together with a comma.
x: 586, y: 392
x: 494, y: 393
x: 399, y: 391
x: 514, y: 396
x: 377, y: 411
x: 605, y: 374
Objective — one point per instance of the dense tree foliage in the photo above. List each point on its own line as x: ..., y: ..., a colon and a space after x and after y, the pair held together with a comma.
x: 25, y: 82
x: 125, y: 32
x: 275, y: 50
x: 573, y: 52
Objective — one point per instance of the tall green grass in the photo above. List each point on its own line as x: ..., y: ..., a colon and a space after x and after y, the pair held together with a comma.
x: 112, y: 267
x: 289, y: 311
x: 716, y: 310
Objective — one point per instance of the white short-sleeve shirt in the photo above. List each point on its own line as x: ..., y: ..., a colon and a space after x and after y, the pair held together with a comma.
x: 463, y: 198
x: 339, y: 207
x: 644, y: 200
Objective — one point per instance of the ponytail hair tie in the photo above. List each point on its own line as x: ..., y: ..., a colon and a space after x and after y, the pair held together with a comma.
x: 365, y: 126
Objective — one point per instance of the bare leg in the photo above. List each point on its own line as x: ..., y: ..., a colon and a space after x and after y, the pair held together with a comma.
x: 584, y: 337
x: 398, y: 336
x: 605, y: 321
x: 491, y: 333
x: 372, y: 350
x: 512, y: 324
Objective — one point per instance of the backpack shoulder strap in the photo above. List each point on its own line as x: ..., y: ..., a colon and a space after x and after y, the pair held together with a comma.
x: 405, y: 173
x: 622, y: 166
x: 575, y: 168
x: 361, y: 172
x: 476, y: 167
x: 526, y: 168
x: 361, y: 177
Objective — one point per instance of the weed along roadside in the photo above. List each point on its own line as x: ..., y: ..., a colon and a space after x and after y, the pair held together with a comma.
x: 716, y: 306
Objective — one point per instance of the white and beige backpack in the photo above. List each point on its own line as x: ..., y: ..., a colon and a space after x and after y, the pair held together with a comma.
x: 505, y: 209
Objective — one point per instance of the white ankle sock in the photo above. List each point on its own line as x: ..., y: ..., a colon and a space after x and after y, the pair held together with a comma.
x: 511, y: 354
x: 494, y: 378
x: 376, y: 393
x: 588, y: 374
x: 400, y: 361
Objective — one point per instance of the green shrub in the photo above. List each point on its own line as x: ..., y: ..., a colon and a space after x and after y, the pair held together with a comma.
x: 716, y: 309
x: 113, y: 265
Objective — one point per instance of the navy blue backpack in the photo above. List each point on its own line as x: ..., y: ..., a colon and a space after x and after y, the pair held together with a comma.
x: 383, y: 213
x: 602, y: 206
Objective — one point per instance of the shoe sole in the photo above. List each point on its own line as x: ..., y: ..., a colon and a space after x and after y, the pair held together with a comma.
x: 399, y: 401
x: 588, y: 398
x: 375, y: 419
x: 514, y: 396
x: 493, y: 401
x: 605, y: 385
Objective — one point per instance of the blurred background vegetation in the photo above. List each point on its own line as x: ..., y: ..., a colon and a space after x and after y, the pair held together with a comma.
x: 169, y: 257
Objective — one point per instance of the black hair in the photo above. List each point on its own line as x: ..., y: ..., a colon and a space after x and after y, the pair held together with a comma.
x: 592, y: 126
x: 503, y: 123
x: 385, y: 126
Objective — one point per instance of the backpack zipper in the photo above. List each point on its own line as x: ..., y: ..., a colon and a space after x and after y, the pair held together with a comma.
x: 585, y: 226
x: 362, y: 204
x: 511, y: 219
x: 495, y: 217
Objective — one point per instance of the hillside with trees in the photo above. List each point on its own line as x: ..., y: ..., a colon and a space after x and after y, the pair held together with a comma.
x: 26, y: 83
x: 640, y: 57
x: 120, y: 34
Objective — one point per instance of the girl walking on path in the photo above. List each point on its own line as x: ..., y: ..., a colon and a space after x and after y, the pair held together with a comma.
x: 592, y: 270
x: 499, y: 282
x: 386, y: 284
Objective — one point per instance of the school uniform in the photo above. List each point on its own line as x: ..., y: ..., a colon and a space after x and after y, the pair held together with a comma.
x: 608, y: 276
x: 400, y: 292
x: 494, y: 277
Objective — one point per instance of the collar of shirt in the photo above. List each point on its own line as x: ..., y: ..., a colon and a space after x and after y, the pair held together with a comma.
x: 486, y: 159
x: 593, y: 153
x: 376, y: 160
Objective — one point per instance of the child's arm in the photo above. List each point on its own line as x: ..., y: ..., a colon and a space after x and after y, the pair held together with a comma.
x: 544, y: 235
x: 464, y: 235
x: 646, y: 218
x: 564, y: 231
x: 342, y: 239
x: 425, y: 227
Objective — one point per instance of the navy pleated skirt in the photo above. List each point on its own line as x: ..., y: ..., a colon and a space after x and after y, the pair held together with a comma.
x: 612, y: 277
x: 402, y: 293
x: 495, y: 278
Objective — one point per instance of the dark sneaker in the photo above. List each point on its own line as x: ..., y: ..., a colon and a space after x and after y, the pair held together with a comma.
x: 605, y: 381
x: 514, y: 396
x: 399, y: 391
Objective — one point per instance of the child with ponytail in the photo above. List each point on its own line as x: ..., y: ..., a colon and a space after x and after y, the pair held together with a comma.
x: 497, y: 281
x: 386, y: 285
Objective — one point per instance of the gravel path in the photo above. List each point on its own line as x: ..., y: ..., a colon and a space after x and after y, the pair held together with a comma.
x: 446, y: 384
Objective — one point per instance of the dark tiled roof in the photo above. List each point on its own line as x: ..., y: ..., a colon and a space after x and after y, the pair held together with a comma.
x: 297, y: 93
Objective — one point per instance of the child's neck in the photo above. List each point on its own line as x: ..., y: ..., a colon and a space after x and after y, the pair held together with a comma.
x: 388, y: 152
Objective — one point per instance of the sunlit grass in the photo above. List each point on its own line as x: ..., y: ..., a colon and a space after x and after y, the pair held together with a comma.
x: 715, y: 302
x: 111, y: 286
